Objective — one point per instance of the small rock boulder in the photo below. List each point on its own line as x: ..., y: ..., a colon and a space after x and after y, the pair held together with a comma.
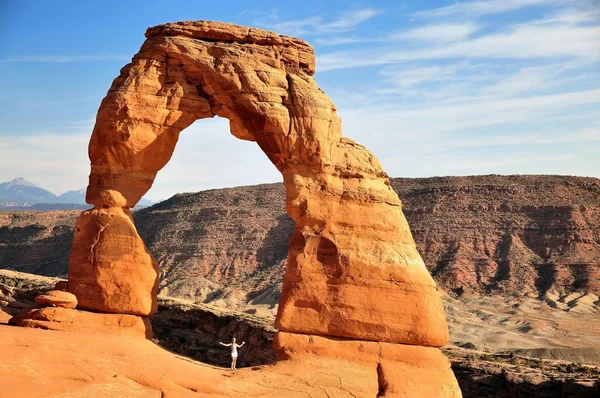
x: 56, y: 298
x: 62, y: 285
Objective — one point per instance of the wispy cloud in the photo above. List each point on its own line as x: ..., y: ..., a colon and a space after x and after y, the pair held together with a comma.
x: 588, y: 134
x: 524, y: 41
x: 339, y: 40
x: 474, y: 9
x: 260, y: 13
x: 64, y: 58
x: 316, y: 25
x: 586, y: 13
x: 398, y: 79
x: 447, y: 32
x: 499, y: 162
x: 531, y: 79
x: 481, y: 80
x: 429, y: 120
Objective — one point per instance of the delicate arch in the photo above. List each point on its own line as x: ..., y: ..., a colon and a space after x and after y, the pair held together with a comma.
x: 353, y: 269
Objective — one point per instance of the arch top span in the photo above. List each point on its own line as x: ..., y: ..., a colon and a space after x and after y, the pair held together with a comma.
x: 295, y: 52
x: 186, y: 71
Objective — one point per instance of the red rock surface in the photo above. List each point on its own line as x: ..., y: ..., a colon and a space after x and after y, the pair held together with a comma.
x: 4, y: 317
x: 97, y: 365
x: 66, y: 319
x: 56, y: 298
x: 110, y: 269
x: 394, y: 364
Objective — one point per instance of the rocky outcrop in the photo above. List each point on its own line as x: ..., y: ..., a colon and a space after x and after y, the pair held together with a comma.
x: 71, y: 320
x: 388, y: 367
x: 507, y: 234
x: 56, y: 298
x: 110, y: 268
x: 351, y: 246
x: 36, y: 242
x: 350, y: 233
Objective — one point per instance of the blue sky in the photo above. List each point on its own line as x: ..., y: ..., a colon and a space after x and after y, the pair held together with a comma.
x: 431, y: 87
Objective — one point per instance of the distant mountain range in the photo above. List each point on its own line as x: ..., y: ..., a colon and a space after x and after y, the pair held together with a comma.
x: 22, y: 194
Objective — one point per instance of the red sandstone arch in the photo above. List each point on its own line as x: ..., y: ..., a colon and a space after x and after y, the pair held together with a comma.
x: 353, y: 268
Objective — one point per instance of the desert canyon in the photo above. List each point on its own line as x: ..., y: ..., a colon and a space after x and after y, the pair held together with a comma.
x: 359, y: 313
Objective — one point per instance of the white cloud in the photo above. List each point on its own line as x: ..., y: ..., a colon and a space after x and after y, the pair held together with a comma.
x: 532, y: 79
x: 407, y: 77
x: 585, y: 135
x: 338, y: 40
x: 441, y: 33
x: 495, y: 163
x: 574, y: 16
x: 55, y: 161
x: 474, y: 9
x: 316, y: 25
x: 521, y: 42
x: 428, y: 123
x: 529, y: 41
x: 350, y: 20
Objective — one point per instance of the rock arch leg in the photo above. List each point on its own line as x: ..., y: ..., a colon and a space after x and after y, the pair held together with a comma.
x: 138, y: 124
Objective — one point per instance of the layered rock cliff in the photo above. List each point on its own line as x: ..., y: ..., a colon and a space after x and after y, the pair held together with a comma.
x: 507, y: 234
x: 487, y: 234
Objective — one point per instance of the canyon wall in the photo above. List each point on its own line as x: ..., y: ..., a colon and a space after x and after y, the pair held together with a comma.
x: 485, y: 234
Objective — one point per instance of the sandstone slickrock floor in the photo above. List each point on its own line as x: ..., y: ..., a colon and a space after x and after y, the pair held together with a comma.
x: 44, y: 363
x: 194, y: 330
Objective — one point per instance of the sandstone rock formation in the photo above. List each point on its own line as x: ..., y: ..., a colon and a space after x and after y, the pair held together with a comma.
x: 110, y: 268
x: 56, y: 298
x: 353, y: 270
x: 4, y: 317
x: 351, y: 244
x: 65, y: 319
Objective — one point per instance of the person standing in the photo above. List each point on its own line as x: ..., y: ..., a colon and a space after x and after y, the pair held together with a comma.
x: 234, y: 354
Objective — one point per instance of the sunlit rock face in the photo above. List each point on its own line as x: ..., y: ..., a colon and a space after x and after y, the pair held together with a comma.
x: 353, y: 272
